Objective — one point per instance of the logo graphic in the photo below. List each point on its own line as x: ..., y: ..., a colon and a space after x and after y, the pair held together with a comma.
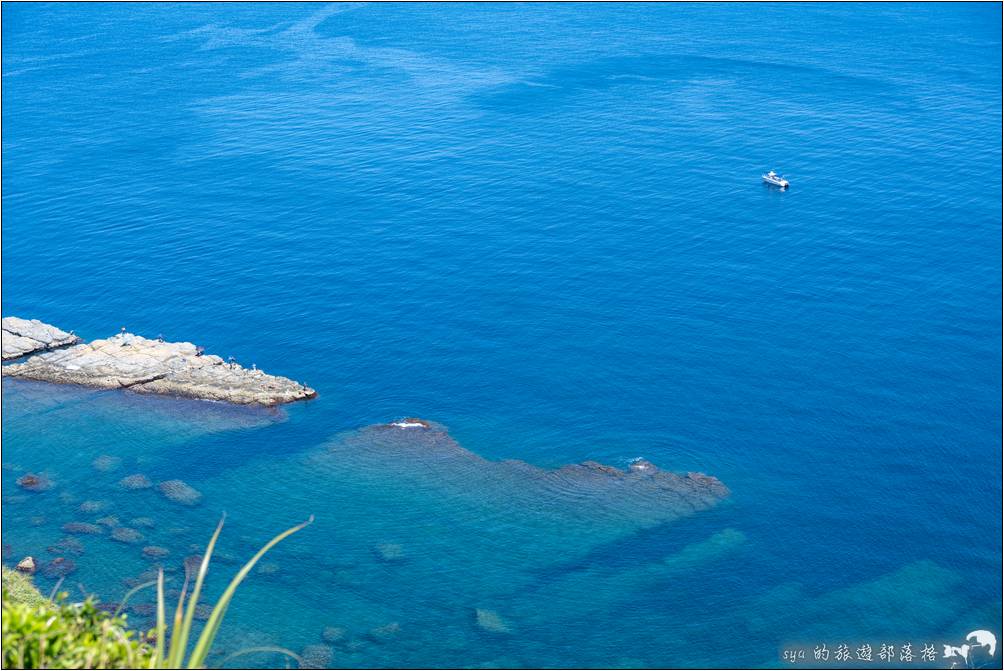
x: 982, y: 642
x: 983, y: 639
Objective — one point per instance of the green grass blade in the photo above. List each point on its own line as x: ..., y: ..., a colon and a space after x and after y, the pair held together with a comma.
x: 193, y: 600
x: 198, y: 657
x: 158, y: 656
x: 172, y: 651
x: 263, y: 648
x: 129, y: 594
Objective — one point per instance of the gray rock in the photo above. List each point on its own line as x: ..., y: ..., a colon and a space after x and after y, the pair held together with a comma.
x: 142, y: 522
x: 108, y: 521
x: 27, y: 565
x: 22, y: 337
x: 180, y: 492
x: 156, y: 367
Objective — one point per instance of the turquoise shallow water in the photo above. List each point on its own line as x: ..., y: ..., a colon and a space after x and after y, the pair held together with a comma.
x: 541, y: 227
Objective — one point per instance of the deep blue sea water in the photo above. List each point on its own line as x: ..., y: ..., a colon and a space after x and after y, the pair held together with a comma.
x: 543, y: 227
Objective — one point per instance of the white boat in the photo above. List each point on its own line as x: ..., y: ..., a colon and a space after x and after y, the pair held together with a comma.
x: 775, y: 179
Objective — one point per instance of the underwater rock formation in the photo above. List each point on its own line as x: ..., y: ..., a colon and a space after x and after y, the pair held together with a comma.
x: 92, y: 506
x: 34, y: 483
x: 410, y: 423
x: 333, y: 634
x: 66, y: 545
x: 60, y: 567
x: 180, y: 492
x: 267, y: 568
x: 126, y: 535
x: 106, y: 462
x: 385, y: 633
x: 491, y: 621
x: 155, y: 552
x: 23, y: 336
x: 574, y: 588
x: 389, y: 552
x: 422, y: 449
x: 158, y: 367
x: 81, y: 528
x: 134, y: 482
x: 316, y: 657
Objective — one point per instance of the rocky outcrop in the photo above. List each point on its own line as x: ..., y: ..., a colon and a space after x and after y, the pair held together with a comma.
x: 157, y: 367
x: 22, y: 337
x: 410, y: 423
x: 27, y: 565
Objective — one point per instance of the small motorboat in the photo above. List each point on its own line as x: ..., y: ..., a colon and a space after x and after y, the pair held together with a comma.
x: 775, y: 179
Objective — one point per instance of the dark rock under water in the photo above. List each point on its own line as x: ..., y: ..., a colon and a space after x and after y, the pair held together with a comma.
x: 641, y: 490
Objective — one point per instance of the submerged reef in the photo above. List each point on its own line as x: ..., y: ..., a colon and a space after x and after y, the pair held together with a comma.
x: 155, y: 367
x: 22, y: 337
x: 422, y: 449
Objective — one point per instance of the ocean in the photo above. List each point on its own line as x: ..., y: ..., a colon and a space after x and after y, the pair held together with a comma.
x: 541, y: 226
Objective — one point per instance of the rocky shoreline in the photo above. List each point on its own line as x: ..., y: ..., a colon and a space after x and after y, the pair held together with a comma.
x: 149, y: 366
x: 22, y: 337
